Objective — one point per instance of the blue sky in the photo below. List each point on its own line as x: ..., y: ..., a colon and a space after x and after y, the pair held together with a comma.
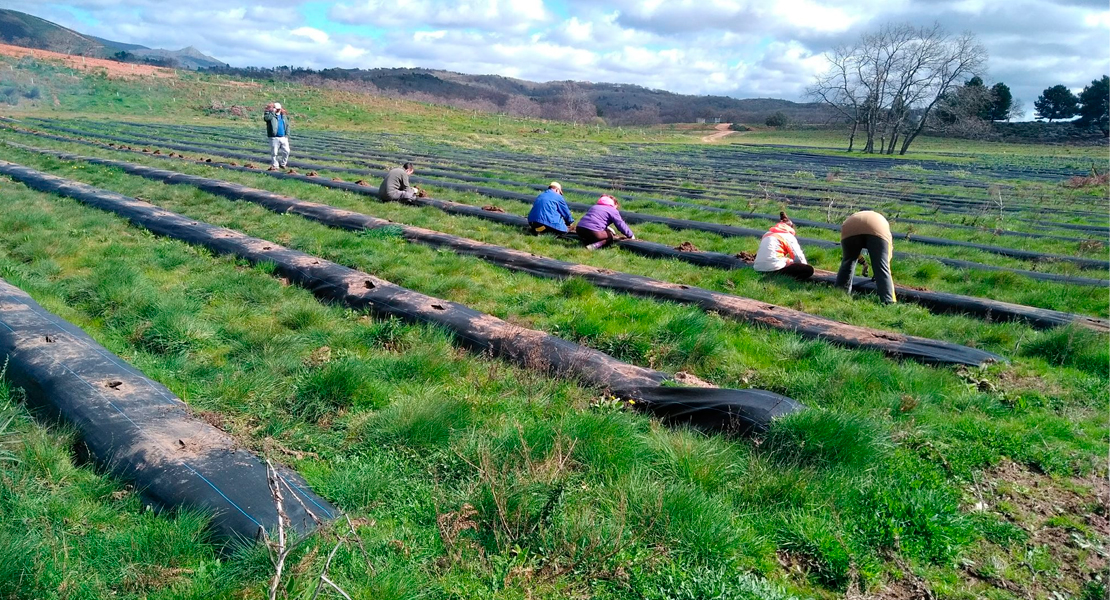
x: 740, y: 48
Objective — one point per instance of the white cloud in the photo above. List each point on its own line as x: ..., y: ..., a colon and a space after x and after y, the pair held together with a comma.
x: 311, y: 33
x: 478, y: 14
x: 736, y: 47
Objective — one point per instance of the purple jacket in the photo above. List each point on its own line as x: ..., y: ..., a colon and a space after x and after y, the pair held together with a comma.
x: 600, y: 216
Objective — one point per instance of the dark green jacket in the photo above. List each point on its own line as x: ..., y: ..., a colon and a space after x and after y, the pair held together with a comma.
x: 272, y: 123
x: 396, y: 187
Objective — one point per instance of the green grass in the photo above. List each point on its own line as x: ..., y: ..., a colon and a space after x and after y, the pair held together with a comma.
x: 243, y: 346
x: 1001, y: 286
x: 844, y: 206
x: 923, y: 147
x: 470, y: 478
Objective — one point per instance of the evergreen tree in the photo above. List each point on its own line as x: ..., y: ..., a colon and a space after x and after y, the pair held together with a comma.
x: 1094, y: 103
x: 1002, y: 102
x: 1057, y: 102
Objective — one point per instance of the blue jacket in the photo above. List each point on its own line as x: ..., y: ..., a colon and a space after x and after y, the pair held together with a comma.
x: 550, y: 209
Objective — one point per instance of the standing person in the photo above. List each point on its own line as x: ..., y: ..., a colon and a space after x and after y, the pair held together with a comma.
x: 780, y: 252
x: 396, y: 187
x: 867, y: 229
x: 550, y: 213
x: 277, y: 129
x: 593, y: 228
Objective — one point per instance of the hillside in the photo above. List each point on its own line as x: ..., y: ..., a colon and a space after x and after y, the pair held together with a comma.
x: 21, y: 29
x: 29, y: 31
x: 615, y: 103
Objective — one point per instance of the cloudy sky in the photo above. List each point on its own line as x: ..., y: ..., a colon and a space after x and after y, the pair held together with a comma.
x: 740, y: 48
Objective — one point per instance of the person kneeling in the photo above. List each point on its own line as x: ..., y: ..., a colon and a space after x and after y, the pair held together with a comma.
x: 396, y: 186
x: 780, y: 252
x: 550, y: 213
x: 593, y: 227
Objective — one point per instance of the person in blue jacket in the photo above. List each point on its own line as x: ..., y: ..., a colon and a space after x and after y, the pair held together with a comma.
x: 550, y: 213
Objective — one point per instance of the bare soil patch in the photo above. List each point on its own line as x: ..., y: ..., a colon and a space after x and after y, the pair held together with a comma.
x: 113, y: 69
x: 1066, y: 521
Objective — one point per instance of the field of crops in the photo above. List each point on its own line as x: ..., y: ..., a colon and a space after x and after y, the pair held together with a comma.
x: 498, y: 415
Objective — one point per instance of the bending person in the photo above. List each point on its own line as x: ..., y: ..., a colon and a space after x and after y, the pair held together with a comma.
x: 780, y: 252
x: 396, y: 187
x: 869, y: 230
x: 593, y: 227
x: 277, y: 129
x: 550, y: 213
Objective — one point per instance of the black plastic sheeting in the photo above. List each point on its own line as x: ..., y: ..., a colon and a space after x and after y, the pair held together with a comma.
x: 744, y: 309
x: 939, y: 302
x: 136, y: 429
x: 729, y: 410
x: 677, y: 224
x: 1082, y: 262
x: 228, y: 151
x: 642, y: 171
x: 348, y: 149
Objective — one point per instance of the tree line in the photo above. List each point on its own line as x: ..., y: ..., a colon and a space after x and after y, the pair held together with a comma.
x: 891, y: 85
x: 575, y: 101
x: 1092, y: 105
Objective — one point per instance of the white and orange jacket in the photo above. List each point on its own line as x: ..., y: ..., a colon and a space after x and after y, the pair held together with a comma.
x: 778, y: 249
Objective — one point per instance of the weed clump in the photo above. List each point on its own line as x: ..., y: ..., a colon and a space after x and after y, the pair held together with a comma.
x: 339, y: 384
x: 389, y: 232
x: 1071, y: 346
x: 818, y: 438
x: 422, y: 421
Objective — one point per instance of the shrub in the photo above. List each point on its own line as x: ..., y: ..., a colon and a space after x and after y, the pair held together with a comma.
x: 779, y: 119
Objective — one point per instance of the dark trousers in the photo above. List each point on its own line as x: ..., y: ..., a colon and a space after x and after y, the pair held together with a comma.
x: 879, y: 251
x: 538, y: 228
x: 589, y: 236
x: 798, y: 271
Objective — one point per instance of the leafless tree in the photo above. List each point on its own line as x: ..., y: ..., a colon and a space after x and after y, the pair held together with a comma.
x: 959, y: 113
x: 890, y: 81
x: 522, y: 106
x: 570, y: 104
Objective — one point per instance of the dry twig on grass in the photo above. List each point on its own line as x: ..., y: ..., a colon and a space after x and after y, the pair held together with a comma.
x: 279, y: 551
x: 324, y: 579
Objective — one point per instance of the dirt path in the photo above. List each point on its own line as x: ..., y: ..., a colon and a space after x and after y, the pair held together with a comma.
x: 722, y: 129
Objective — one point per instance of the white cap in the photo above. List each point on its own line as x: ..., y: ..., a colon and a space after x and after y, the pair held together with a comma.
x: 277, y: 105
x: 555, y: 185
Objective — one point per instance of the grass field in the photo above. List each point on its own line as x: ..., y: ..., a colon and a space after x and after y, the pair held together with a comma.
x: 467, y: 477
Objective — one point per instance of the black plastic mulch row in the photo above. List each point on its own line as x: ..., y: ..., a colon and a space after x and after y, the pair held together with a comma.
x: 139, y: 431
x: 939, y: 302
x: 723, y: 409
x: 743, y: 309
x: 635, y: 218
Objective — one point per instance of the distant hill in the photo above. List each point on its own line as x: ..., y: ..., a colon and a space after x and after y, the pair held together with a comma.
x: 29, y: 31
x: 616, y: 104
